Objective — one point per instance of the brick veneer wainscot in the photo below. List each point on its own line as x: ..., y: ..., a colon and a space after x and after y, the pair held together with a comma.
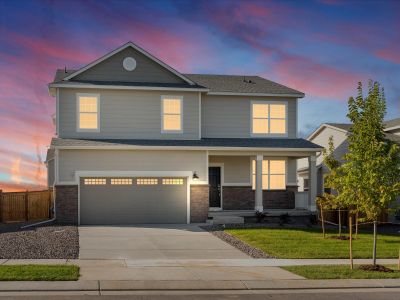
x: 66, y: 204
x: 199, y: 203
x: 243, y: 198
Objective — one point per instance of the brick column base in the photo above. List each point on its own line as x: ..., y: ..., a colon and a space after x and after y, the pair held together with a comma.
x: 199, y: 203
x: 66, y: 204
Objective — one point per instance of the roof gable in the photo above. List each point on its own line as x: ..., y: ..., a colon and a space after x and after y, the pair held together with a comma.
x: 110, y: 68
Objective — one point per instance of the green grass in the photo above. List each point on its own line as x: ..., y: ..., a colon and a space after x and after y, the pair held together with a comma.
x: 39, y: 272
x: 340, y: 272
x: 309, y: 243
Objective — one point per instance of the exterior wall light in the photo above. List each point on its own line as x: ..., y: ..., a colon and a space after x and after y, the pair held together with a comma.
x: 195, y: 176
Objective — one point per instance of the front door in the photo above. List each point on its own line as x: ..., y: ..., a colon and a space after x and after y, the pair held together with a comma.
x: 214, y: 179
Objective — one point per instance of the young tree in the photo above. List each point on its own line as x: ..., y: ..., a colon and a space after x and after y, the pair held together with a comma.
x: 371, y: 172
x: 333, y: 179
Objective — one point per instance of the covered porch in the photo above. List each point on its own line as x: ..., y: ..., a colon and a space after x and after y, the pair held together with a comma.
x: 241, y: 183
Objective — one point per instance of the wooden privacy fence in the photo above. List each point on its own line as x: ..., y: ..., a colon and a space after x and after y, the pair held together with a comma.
x: 25, y: 206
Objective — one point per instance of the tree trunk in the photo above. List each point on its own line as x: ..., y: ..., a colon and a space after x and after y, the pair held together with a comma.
x: 356, y: 224
x: 340, y: 222
x: 351, y: 242
x: 322, y: 221
x: 398, y: 263
x: 374, y: 249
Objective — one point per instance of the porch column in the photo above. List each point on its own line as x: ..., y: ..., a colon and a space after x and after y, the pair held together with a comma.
x: 259, y: 193
x: 312, y: 182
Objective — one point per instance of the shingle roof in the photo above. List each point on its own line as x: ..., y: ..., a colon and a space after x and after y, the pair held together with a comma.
x: 241, y: 84
x: 389, y: 136
x: 215, y: 83
x: 392, y: 123
x: 205, y: 142
x: 342, y: 126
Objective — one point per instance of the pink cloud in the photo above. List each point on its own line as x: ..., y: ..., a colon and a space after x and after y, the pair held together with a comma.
x: 316, y: 79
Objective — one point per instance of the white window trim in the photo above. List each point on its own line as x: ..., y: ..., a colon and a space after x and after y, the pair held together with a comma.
x: 268, y: 134
x: 270, y: 158
x: 78, y: 129
x: 180, y: 98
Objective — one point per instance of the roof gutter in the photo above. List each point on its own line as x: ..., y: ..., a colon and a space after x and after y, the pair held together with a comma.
x: 195, y: 148
x: 118, y: 87
x: 300, y: 95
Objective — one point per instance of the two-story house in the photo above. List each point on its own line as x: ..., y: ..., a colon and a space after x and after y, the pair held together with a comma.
x: 138, y: 142
x: 339, y: 133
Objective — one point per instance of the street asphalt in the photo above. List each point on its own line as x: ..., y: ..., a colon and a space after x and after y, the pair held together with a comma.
x: 387, y: 294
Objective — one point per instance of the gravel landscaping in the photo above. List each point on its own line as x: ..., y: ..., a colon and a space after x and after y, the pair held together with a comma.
x: 218, y: 231
x: 42, y: 242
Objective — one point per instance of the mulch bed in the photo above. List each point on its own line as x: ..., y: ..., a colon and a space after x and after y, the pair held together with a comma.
x: 376, y: 268
x: 42, y: 242
x: 218, y: 231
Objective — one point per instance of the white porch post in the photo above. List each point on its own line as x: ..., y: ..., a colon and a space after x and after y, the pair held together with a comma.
x: 312, y: 182
x: 259, y: 194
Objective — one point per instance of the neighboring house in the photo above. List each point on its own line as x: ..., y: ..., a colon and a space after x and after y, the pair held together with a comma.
x: 339, y: 132
x: 138, y: 142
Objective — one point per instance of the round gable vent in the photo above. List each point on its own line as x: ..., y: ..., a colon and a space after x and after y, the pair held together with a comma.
x: 129, y: 63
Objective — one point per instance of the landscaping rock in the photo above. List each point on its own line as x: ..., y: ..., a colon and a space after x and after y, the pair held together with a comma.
x: 218, y: 231
x: 44, y: 242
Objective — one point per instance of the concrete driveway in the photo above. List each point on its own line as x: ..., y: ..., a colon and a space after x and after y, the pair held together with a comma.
x: 152, y: 242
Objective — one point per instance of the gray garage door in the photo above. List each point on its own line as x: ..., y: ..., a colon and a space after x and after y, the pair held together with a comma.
x: 133, y: 200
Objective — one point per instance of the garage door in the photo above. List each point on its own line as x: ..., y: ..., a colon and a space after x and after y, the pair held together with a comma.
x: 133, y: 200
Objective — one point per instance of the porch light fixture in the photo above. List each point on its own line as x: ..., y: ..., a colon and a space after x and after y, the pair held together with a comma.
x: 195, y: 176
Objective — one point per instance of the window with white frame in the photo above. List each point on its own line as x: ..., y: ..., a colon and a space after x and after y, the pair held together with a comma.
x: 273, y: 174
x: 268, y: 118
x: 88, y: 112
x: 171, y: 110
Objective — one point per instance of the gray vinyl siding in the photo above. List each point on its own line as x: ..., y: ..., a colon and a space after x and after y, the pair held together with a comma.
x: 112, y: 69
x: 229, y: 116
x: 71, y: 161
x: 128, y: 115
x: 236, y: 168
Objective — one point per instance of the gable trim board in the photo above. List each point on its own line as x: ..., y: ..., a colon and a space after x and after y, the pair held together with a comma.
x: 321, y: 127
x: 137, y: 48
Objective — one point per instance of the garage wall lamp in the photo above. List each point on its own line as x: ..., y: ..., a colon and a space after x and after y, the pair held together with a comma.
x: 195, y: 176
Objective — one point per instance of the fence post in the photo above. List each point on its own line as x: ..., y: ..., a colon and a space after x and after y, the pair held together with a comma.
x: 26, y: 206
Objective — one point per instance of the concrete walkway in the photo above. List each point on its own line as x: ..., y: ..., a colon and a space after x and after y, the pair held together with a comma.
x: 153, y: 242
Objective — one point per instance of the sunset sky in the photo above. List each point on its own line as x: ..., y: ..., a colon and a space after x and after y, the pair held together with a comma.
x: 321, y: 47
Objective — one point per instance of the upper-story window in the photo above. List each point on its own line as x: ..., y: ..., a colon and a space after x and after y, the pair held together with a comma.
x: 268, y: 119
x: 88, y: 112
x: 171, y: 113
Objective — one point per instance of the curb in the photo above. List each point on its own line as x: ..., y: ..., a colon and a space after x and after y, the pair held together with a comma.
x: 193, y: 285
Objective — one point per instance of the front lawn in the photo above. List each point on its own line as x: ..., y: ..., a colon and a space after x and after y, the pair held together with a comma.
x: 309, y: 243
x: 340, y: 272
x: 38, y: 272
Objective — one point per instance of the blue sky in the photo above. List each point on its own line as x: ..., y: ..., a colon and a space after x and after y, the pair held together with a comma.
x: 320, y: 47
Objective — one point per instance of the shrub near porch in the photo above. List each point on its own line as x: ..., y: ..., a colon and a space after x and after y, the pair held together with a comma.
x: 309, y: 243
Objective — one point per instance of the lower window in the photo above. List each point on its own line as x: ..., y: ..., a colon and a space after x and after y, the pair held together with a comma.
x: 273, y: 174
